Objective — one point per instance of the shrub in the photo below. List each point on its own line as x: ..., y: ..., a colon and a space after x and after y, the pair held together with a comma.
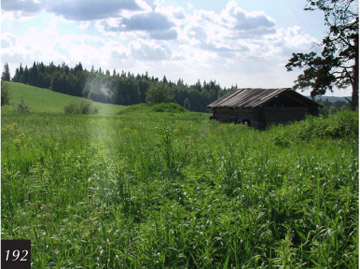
x: 344, y: 124
x: 146, y: 108
x: 134, y: 108
x: 22, y: 107
x: 168, y: 107
x: 83, y: 107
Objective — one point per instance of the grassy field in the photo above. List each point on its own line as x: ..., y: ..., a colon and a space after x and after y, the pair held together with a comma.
x: 45, y: 100
x: 145, y: 189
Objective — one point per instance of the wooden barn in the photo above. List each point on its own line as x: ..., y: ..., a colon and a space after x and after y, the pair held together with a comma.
x: 262, y: 107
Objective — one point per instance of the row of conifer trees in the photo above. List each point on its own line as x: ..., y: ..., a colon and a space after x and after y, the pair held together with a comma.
x: 114, y: 87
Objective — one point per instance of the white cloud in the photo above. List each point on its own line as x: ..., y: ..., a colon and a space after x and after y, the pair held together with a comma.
x: 174, y: 13
x: 294, y: 38
x: 84, y: 25
x: 84, y: 10
x: 243, y: 22
x: 236, y: 33
x: 78, y: 10
x: 231, y: 45
x: 157, y: 25
x: 26, y: 6
x: 34, y: 46
x: 8, y: 40
x: 146, y: 5
x: 164, y: 35
x: 149, y: 51
x: 146, y: 22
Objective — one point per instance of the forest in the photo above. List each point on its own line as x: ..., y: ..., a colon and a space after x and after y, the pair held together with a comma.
x: 116, y: 88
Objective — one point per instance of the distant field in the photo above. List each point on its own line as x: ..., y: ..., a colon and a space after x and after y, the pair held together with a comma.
x: 157, y: 187
x: 45, y: 100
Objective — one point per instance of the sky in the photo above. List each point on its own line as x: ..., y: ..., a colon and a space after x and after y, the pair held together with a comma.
x: 239, y: 42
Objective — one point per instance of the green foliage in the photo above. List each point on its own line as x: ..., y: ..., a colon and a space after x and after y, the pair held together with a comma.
x: 83, y: 107
x: 5, y: 94
x: 159, y: 93
x: 317, y: 76
x: 175, y: 190
x: 22, y: 107
x: 138, y: 108
x: 168, y: 107
x: 187, y: 104
x: 341, y: 125
x: 328, y: 108
x: 338, y: 63
x: 6, y: 73
x: 145, y: 108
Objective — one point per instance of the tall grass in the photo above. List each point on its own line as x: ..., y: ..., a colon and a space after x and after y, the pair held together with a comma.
x: 157, y: 190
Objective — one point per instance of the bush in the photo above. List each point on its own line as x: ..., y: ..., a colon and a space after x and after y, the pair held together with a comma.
x: 5, y: 94
x: 168, y: 107
x: 83, y: 107
x: 22, y: 107
x: 343, y: 124
x: 134, y: 108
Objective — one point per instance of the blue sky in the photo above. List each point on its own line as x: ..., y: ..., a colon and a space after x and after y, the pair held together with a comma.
x: 244, y: 42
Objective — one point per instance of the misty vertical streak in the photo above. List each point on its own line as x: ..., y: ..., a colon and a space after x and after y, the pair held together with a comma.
x: 98, y: 90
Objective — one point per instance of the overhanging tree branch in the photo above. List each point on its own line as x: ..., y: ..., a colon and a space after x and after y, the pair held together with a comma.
x: 338, y: 63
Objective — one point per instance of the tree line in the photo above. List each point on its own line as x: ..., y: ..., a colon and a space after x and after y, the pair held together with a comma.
x: 117, y: 88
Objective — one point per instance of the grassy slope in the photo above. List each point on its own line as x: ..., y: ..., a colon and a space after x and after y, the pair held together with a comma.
x: 44, y: 100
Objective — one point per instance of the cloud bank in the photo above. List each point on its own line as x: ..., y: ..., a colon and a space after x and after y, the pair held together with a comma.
x: 229, y: 45
x: 72, y: 9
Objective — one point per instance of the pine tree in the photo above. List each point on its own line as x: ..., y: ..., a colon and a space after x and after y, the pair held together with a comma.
x: 6, y: 73
x: 25, y: 77
x: 338, y: 64
x: 187, y: 104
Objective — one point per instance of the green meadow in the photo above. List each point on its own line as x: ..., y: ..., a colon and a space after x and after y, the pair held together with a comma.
x: 45, y: 100
x: 160, y: 187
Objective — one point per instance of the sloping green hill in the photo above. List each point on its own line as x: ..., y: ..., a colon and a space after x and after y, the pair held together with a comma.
x: 45, y: 100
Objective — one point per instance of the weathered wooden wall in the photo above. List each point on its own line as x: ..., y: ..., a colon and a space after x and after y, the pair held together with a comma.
x: 262, y: 117
x: 253, y: 117
x: 280, y: 115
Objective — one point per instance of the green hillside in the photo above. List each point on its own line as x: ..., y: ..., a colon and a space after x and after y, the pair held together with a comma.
x: 45, y: 100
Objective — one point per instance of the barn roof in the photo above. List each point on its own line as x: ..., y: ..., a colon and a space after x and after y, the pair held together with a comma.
x: 251, y: 98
